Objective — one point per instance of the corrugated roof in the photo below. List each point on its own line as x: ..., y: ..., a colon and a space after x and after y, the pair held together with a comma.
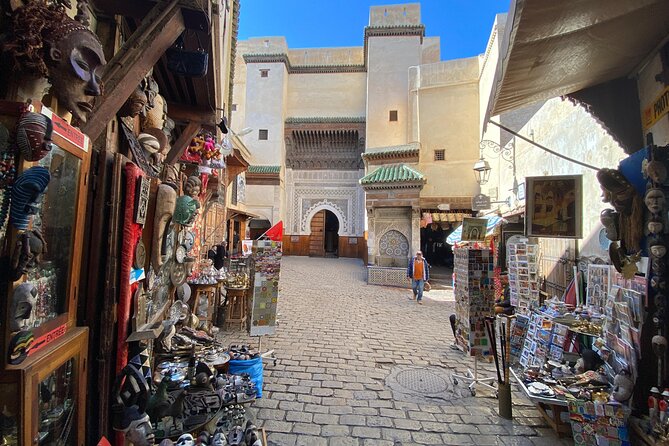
x: 382, y: 152
x: 395, y: 173
x: 264, y: 169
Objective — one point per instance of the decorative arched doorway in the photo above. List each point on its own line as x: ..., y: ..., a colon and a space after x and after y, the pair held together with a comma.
x: 324, y: 235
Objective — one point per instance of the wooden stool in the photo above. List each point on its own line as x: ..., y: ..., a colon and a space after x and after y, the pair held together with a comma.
x: 203, y: 302
x: 235, y: 309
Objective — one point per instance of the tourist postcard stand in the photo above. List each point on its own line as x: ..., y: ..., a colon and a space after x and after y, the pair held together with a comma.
x: 474, y: 296
x: 266, y: 255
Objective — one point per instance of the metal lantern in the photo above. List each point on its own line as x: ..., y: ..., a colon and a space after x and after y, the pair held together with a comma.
x: 482, y: 171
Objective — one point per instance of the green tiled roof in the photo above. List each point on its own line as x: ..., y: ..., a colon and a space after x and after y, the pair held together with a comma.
x: 383, y: 152
x: 264, y: 169
x: 395, y: 173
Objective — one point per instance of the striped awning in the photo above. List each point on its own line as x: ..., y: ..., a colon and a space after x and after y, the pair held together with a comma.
x: 456, y: 235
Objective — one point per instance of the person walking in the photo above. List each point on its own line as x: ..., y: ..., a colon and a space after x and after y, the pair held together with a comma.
x: 419, y: 273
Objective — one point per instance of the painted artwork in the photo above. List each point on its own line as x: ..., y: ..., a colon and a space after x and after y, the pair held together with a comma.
x: 267, y: 260
x: 599, y: 282
x: 474, y: 229
x: 554, y: 206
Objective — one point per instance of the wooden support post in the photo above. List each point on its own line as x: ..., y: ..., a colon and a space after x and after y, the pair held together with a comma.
x: 184, y: 113
x: 157, y: 32
x: 184, y: 140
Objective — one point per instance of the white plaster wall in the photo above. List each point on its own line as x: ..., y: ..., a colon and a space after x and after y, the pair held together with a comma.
x: 569, y: 130
x: 649, y: 90
x: 265, y: 109
x: 431, y: 50
x: 327, y: 56
x: 264, y: 201
x: 488, y: 66
x: 327, y: 94
x: 389, y: 59
x: 238, y: 117
x: 404, y: 14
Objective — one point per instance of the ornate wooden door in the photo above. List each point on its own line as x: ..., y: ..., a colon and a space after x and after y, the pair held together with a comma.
x: 316, y: 239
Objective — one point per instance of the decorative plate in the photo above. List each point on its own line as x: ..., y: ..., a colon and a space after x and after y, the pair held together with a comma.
x: 180, y: 254
x: 189, y: 240
x: 140, y: 255
x: 178, y: 274
x: 184, y: 292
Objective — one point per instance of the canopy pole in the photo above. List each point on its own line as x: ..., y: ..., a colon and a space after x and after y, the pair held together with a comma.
x: 544, y: 148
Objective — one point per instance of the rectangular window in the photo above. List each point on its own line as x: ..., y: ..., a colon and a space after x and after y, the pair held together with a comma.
x: 264, y: 73
x: 262, y: 134
x: 234, y: 107
x: 439, y: 155
x: 392, y: 115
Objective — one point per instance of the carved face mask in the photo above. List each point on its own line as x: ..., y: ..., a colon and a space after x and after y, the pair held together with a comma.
x: 23, y: 301
x: 609, y: 218
x: 26, y: 192
x: 655, y: 227
x: 75, y: 58
x: 658, y: 283
x: 616, y: 190
x: 193, y: 186
x: 33, y: 136
x: 135, y: 104
x: 186, y: 440
x: 657, y: 171
x: 28, y: 251
x: 166, y: 200
x: 141, y: 433
x: 658, y: 250
x: 186, y: 210
x: 655, y: 200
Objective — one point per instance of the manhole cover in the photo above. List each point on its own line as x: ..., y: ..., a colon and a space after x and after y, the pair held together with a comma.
x: 422, y: 381
x: 427, y: 385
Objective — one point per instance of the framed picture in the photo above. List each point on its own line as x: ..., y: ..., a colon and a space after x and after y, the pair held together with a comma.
x: 474, y: 229
x: 554, y: 206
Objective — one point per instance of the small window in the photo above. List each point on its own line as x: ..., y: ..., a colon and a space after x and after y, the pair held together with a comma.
x: 439, y: 155
x: 392, y: 115
x: 234, y: 107
x: 262, y: 134
x: 264, y: 73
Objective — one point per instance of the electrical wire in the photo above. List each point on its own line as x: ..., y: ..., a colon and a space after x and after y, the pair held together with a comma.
x: 544, y: 148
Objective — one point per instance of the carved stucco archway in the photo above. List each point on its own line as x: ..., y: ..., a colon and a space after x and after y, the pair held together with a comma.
x: 325, y: 204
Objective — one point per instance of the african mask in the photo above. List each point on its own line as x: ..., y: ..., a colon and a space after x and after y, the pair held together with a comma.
x: 658, y: 266
x: 26, y: 192
x: 155, y: 142
x: 193, y: 186
x: 658, y: 283
x: 30, y: 246
x: 623, y: 386
x: 33, y: 136
x: 204, y: 438
x: 166, y: 199
x: 75, y: 55
x: 186, y: 210
x: 137, y: 427
x: 186, y: 440
x: 219, y: 439
x: 155, y: 114
x: 168, y: 442
x: 616, y: 190
x: 151, y: 89
x: 609, y: 219
x: 655, y: 227
x: 135, y: 104
x: 655, y: 200
x: 23, y: 301
x: 657, y: 248
x: 657, y: 171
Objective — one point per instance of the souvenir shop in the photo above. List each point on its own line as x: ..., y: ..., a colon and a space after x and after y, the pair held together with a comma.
x: 594, y: 359
x: 110, y: 307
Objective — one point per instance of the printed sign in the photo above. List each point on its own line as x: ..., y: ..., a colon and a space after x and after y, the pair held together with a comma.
x: 474, y: 229
x: 247, y: 246
x: 656, y: 110
x: 65, y: 130
x: 47, y: 339
x: 480, y: 202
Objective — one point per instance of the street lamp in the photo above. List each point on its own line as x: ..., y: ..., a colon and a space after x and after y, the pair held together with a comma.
x: 482, y: 171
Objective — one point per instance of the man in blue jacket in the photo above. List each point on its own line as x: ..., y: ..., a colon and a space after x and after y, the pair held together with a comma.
x: 419, y: 273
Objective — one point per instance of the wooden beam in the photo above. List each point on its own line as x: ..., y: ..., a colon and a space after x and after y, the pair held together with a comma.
x: 185, y: 113
x: 158, y: 31
x: 184, y: 140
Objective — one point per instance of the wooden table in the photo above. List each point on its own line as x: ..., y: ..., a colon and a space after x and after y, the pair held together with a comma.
x: 556, y: 407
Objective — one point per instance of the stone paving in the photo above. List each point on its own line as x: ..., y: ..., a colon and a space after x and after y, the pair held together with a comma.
x: 339, y: 342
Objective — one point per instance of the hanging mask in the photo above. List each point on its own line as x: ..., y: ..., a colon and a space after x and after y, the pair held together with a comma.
x: 655, y: 227
x: 23, y: 301
x: 657, y: 171
x: 616, y: 190
x: 658, y: 266
x: 186, y: 440
x: 657, y: 248
x: 165, y: 203
x: 193, y: 186
x: 26, y: 193
x: 186, y: 210
x: 655, y: 200
x: 658, y: 283
x: 28, y: 251
x: 137, y: 427
x: 219, y: 439
x: 609, y: 219
x: 33, y: 136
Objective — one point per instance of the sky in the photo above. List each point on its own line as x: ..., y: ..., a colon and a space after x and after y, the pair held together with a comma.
x: 463, y: 25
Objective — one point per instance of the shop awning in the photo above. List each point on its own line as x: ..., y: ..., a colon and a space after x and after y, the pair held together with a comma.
x: 240, y: 214
x: 553, y: 48
x: 456, y: 235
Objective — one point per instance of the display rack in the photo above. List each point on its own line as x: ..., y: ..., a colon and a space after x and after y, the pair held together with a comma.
x: 523, y: 261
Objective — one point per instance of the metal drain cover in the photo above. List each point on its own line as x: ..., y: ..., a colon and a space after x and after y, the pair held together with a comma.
x: 422, y: 380
x: 424, y: 385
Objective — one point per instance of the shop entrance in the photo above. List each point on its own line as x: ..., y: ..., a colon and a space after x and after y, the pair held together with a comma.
x: 324, y: 236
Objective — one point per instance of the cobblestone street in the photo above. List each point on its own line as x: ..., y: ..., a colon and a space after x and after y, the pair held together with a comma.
x: 363, y: 365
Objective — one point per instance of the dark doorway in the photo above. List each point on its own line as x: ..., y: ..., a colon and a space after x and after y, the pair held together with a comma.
x: 331, y: 234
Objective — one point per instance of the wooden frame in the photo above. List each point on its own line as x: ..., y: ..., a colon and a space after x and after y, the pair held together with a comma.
x: 554, y: 206
x: 73, y: 142
x: 28, y: 376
